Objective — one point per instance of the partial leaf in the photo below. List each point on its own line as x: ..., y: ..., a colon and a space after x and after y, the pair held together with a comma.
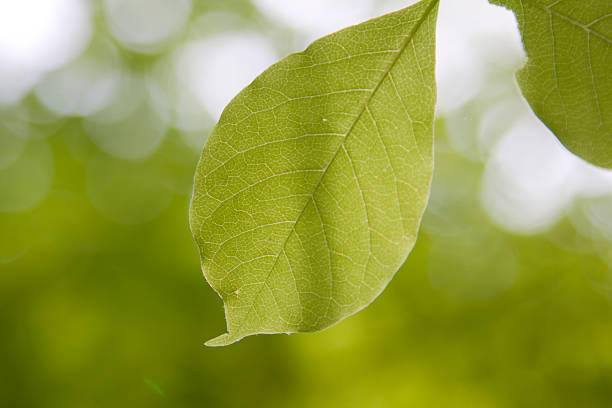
x: 311, y: 188
x: 568, y: 77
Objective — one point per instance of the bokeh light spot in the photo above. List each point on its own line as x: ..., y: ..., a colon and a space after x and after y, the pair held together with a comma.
x: 471, y: 36
x: 84, y: 86
x: 218, y: 67
x: 176, y: 97
x: 38, y: 36
x: 135, y: 137
x: 146, y: 31
x: 525, y: 185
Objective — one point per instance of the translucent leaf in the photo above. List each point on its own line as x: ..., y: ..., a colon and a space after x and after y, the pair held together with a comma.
x: 568, y: 77
x: 310, y: 190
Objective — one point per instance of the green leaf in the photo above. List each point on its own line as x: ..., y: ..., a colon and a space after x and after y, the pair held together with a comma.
x: 568, y: 76
x: 311, y: 188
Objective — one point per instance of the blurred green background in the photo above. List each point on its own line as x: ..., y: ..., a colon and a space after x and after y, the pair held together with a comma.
x: 504, y: 302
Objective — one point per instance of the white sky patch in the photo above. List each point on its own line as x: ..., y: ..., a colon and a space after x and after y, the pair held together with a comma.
x: 527, y: 181
x: 316, y: 18
x: 389, y: 6
x: 591, y: 181
x: 472, y: 35
x: 497, y: 120
x: 218, y: 67
x: 37, y: 36
x: 145, y: 25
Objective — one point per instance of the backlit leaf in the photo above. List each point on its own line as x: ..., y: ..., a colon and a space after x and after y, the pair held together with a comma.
x: 568, y: 77
x: 310, y: 190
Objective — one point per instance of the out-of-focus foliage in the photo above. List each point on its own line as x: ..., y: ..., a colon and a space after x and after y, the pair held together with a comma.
x: 505, y: 300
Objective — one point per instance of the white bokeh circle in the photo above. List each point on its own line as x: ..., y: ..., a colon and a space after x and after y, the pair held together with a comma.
x: 218, y: 67
x: 146, y: 25
x: 36, y: 37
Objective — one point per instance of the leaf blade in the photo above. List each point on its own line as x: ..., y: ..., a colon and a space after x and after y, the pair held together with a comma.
x: 567, y: 79
x: 284, y: 184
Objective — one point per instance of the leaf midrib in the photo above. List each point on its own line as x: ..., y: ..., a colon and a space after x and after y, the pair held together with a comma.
x: 362, y: 110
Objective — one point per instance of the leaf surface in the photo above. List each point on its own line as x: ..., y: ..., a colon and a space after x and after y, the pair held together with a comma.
x: 567, y: 79
x: 310, y: 190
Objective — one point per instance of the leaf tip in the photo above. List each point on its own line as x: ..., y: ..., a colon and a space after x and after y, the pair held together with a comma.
x: 223, y: 340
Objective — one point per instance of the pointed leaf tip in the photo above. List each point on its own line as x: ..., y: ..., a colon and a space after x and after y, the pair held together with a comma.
x: 219, y: 341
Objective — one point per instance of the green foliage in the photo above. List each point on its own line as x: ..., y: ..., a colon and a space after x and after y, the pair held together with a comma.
x: 568, y: 77
x: 311, y: 188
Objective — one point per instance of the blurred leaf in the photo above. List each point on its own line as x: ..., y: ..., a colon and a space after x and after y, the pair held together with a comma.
x: 309, y: 193
x: 568, y: 77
